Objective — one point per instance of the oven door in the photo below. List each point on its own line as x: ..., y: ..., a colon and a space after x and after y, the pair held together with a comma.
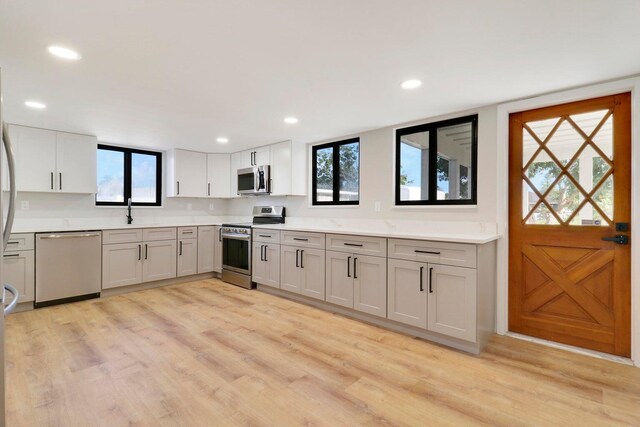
x: 246, y: 181
x: 236, y: 252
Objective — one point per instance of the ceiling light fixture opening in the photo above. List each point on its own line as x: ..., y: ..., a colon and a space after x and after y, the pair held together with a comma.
x: 64, y: 53
x: 222, y: 140
x: 291, y: 120
x: 35, y: 104
x: 411, y: 84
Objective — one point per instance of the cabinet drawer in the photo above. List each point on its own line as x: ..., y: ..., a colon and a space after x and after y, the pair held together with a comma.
x: 20, y: 242
x: 187, y: 232
x: 458, y: 254
x: 375, y: 246
x: 129, y: 235
x: 266, y: 236
x: 155, y: 234
x: 303, y: 239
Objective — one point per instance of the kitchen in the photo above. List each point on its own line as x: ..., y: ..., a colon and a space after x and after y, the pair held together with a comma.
x: 410, y: 246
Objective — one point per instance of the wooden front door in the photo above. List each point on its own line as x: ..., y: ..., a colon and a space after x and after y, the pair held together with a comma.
x: 569, y: 195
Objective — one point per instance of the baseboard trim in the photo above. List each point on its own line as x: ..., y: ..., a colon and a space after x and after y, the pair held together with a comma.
x: 157, y: 284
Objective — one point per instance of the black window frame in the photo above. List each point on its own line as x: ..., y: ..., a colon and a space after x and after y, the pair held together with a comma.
x: 432, y: 128
x: 336, y: 173
x: 127, y: 175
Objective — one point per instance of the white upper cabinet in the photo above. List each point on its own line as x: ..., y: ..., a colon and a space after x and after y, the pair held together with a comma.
x: 186, y: 174
x: 50, y: 161
x: 255, y: 157
x: 218, y: 175
x: 236, y: 163
x: 288, y: 169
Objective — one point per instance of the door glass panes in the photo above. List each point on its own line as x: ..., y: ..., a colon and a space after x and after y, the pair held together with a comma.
x: 529, y: 147
x: 454, y: 150
x: 570, y: 173
x: 414, y: 166
x: 324, y: 177
x: 110, y: 176
x: 349, y: 171
x: 143, y: 178
x: 542, y: 128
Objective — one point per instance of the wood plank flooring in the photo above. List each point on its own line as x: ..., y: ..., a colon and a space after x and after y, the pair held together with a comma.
x: 206, y: 354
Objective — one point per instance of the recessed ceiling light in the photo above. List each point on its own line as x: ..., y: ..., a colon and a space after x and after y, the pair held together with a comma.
x: 411, y: 84
x: 35, y: 104
x: 222, y: 140
x: 290, y: 120
x: 64, y: 53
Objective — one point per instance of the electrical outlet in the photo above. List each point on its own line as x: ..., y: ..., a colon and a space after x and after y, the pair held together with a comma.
x: 189, y: 206
x: 210, y: 206
x: 376, y: 206
x: 24, y: 205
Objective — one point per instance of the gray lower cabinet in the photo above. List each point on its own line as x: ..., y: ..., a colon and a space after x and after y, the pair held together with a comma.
x: 121, y: 264
x: 302, y: 271
x: 440, y: 298
x: 266, y: 264
x: 206, y: 248
x: 18, y: 271
x: 217, y: 254
x: 357, y: 281
x: 159, y: 260
x: 187, y: 257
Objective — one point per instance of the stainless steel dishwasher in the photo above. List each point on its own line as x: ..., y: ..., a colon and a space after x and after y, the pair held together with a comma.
x: 68, y: 267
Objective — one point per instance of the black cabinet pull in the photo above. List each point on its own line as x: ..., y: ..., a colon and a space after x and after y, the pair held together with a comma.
x: 178, y: 182
x: 418, y: 251
x: 261, y: 253
x: 421, y: 287
x: 302, y: 258
x: 180, y: 247
x: 265, y: 253
x: 430, y: 279
x: 220, y: 234
x: 52, y: 180
x: 348, y: 266
x: 60, y: 174
x: 146, y: 251
x: 10, y: 255
x: 355, y: 268
x: 300, y: 239
x: 359, y: 245
x: 297, y: 252
x: 208, y: 189
x: 139, y: 252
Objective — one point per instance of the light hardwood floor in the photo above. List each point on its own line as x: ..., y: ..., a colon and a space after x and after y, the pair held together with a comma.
x: 207, y: 353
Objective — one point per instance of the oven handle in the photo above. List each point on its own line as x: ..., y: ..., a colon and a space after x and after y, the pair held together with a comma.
x: 236, y: 236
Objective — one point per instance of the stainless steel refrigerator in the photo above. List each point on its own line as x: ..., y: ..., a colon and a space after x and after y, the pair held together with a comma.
x: 7, y: 207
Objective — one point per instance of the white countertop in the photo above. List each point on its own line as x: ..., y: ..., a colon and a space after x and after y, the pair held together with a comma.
x: 455, y: 232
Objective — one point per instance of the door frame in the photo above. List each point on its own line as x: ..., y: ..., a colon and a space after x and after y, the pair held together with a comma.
x: 581, y: 93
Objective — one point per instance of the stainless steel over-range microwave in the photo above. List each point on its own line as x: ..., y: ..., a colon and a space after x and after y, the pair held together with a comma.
x: 254, y: 180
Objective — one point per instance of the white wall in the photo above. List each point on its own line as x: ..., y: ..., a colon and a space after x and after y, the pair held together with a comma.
x: 377, y: 153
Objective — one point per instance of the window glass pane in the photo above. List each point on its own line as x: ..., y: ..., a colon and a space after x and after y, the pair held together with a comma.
x: 414, y: 166
x: 324, y: 177
x: 454, y: 158
x: 143, y: 178
x: 349, y: 171
x: 110, y: 176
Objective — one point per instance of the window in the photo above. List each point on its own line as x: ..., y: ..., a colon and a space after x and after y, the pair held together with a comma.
x: 125, y: 173
x: 336, y: 173
x: 436, y: 163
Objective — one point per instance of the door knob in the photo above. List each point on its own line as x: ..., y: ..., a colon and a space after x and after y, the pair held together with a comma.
x: 619, y: 239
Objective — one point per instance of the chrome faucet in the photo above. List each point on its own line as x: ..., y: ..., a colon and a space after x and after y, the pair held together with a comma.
x: 129, y: 217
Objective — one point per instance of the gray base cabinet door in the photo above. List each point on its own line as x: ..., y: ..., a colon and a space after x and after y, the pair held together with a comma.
x: 290, y: 269
x: 121, y: 265
x: 406, y: 298
x: 217, y: 250
x: 206, y: 249
x: 370, y: 284
x: 452, y: 301
x: 159, y: 260
x: 187, y: 257
x: 312, y: 272
x: 18, y: 269
x: 266, y: 264
x: 339, y: 286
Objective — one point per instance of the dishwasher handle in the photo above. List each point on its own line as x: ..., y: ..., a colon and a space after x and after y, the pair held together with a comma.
x: 68, y: 236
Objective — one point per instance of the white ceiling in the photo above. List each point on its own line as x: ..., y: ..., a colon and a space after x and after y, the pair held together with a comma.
x: 170, y: 73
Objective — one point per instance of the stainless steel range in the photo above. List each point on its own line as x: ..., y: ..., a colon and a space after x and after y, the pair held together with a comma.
x: 236, y: 245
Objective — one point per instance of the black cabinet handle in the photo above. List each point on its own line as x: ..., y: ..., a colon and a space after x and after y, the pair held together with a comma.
x: 265, y: 235
x: 10, y: 255
x: 52, y: 180
x: 180, y: 247
x: 220, y: 234
x: 355, y: 268
x: 265, y: 253
x: 302, y: 258
x: 421, y: 287
x: 297, y: 252
x: 418, y: 251
x: 430, y: 279
x: 353, y: 244
x: 146, y: 251
x: 300, y: 239
x: 60, y: 174
x: 208, y: 189
x: 261, y: 253
x: 139, y: 252
x: 348, y: 266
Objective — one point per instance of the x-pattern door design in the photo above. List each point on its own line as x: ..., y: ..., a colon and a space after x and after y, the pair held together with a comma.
x: 569, y: 185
